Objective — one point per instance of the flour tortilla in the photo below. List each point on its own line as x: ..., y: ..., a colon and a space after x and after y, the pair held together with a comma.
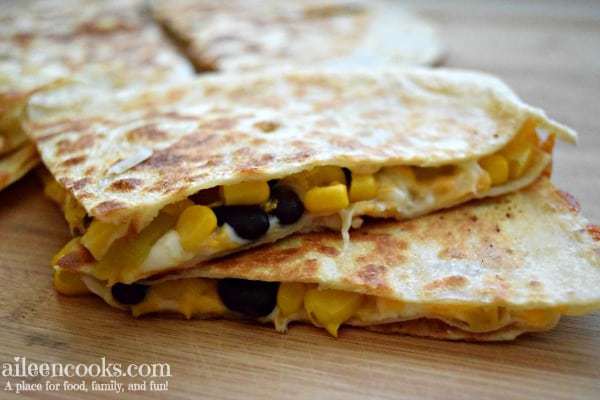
x: 529, y: 250
x: 111, y: 43
x: 238, y: 35
x: 125, y: 157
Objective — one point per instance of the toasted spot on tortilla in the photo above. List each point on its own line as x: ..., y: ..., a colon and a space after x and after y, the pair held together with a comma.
x: 125, y: 185
x: 449, y: 282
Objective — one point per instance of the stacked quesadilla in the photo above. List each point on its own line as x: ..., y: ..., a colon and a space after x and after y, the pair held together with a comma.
x: 400, y: 200
x: 162, y: 186
x: 110, y: 43
x: 234, y: 35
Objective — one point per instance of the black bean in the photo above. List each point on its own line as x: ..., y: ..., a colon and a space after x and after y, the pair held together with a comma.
x: 348, y: 176
x: 251, y: 298
x: 129, y: 294
x: 249, y: 222
x: 289, y: 207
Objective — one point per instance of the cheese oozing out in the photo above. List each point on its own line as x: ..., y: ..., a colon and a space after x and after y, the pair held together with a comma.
x: 329, y: 308
x: 187, y: 232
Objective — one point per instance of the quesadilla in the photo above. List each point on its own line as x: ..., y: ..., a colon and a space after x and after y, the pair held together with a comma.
x: 488, y: 270
x: 235, y: 35
x: 160, y: 180
x: 108, y: 42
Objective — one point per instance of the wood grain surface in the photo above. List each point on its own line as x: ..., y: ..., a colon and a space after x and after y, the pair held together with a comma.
x: 550, y: 53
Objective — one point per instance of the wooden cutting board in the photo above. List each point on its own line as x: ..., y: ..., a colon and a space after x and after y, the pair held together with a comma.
x: 549, y: 52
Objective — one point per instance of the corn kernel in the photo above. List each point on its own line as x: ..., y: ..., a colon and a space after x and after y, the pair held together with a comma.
x: 68, y: 248
x: 245, y: 193
x: 175, y: 209
x: 327, y: 199
x: 68, y: 283
x: 194, y: 225
x: 363, y: 187
x: 100, y: 236
x: 497, y: 167
x: 290, y: 297
x: 330, y: 308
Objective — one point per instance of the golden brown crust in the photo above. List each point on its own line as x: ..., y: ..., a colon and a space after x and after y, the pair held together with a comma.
x: 184, y: 138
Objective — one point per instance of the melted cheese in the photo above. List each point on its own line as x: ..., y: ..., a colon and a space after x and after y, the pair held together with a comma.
x: 198, y: 297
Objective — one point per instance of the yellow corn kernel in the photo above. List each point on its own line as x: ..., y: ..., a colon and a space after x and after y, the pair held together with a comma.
x: 175, y: 209
x: 323, y: 176
x: 497, y: 167
x: 194, y: 226
x: 330, y: 308
x: 363, y: 187
x: 55, y: 192
x: 539, y: 319
x: 245, y: 193
x: 68, y: 248
x: 290, y: 297
x: 74, y: 214
x: 327, y: 199
x: 68, y: 283
x: 100, y: 236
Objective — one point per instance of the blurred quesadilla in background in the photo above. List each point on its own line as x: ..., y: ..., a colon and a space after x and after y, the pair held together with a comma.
x: 234, y: 35
x: 110, y: 43
x: 160, y: 180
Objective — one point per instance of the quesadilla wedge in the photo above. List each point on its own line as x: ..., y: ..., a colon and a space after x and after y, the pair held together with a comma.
x: 484, y: 271
x: 108, y: 42
x: 235, y: 35
x: 178, y: 175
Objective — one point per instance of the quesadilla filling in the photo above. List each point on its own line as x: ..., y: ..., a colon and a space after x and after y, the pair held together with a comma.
x: 221, y: 220
x: 286, y: 302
